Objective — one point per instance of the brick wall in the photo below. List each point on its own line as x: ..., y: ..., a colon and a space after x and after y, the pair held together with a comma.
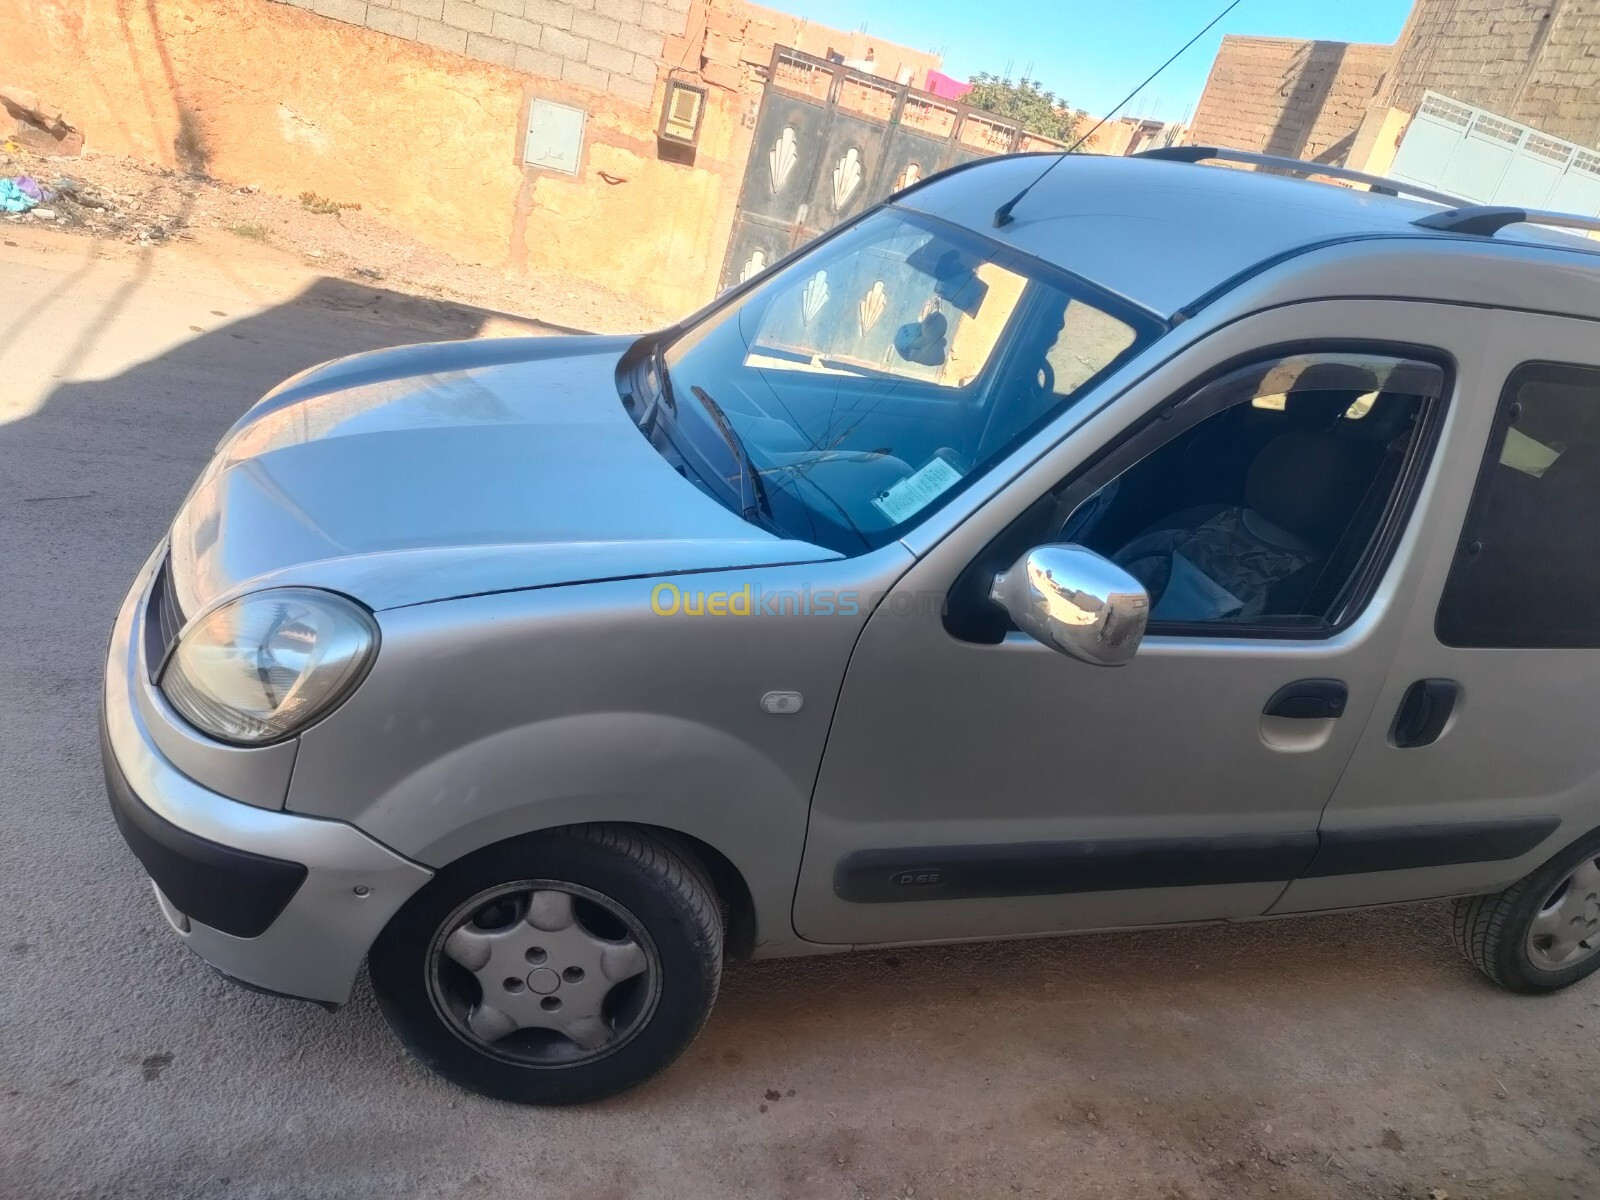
x: 891, y: 61
x: 730, y: 44
x: 1537, y: 62
x: 1288, y: 96
x: 611, y: 46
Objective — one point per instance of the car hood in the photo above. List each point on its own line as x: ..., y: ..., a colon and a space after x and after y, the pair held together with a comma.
x: 451, y: 469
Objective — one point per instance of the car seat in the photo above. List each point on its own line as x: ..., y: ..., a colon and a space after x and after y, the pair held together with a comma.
x: 1217, y: 561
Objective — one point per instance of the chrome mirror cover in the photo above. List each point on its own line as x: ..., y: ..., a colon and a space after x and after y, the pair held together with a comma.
x: 1076, y: 602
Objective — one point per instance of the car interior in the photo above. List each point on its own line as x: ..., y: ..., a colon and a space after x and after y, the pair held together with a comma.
x: 867, y: 388
x: 1260, y: 513
x: 853, y: 432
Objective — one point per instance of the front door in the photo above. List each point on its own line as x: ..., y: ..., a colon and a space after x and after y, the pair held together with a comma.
x: 1481, y: 758
x: 1268, y: 485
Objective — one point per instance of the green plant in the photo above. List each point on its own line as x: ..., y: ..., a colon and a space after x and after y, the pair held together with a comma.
x: 1035, y: 108
x: 321, y: 204
x: 253, y: 230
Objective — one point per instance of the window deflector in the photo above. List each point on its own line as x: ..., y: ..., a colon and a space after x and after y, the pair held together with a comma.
x: 1270, y: 377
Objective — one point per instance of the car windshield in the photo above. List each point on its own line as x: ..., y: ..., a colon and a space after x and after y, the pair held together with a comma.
x: 871, y: 380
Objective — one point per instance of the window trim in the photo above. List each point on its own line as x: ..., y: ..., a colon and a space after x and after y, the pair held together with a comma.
x: 1196, y: 401
x: 1504, y: 417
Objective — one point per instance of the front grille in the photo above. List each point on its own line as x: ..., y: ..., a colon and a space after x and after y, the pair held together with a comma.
x: 163, y: 619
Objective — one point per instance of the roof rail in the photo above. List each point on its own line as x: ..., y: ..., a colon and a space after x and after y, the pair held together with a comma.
x: 1487, y: 220
x: 1298, y: 166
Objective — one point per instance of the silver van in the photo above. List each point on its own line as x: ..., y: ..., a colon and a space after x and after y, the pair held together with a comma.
x: 544, y: 676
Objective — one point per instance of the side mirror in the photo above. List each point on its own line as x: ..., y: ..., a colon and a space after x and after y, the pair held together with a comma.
x: 1074, y: 601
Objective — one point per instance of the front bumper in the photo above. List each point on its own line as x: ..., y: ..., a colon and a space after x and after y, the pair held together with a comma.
x: 282, y: 902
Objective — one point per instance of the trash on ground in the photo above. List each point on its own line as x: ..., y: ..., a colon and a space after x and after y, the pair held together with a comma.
x: 14, y: 198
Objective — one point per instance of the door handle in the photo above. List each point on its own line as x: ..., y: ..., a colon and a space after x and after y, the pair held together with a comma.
x: 1423, y: 711
x: 1308, y: 700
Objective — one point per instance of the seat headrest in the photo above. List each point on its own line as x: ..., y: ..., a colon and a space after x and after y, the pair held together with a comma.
x: 1318, y: 410
x: 1311, y: 483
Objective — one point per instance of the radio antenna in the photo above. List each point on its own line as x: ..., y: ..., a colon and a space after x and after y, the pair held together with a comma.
x: 1002, y: 215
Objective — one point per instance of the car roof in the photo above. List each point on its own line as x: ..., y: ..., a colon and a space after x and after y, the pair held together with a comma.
x: 1166, y: 235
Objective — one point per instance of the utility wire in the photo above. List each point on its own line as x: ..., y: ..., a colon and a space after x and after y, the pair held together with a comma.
x: 1002, y: 215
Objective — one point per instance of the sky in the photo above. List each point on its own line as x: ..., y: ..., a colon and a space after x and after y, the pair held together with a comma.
x: 1091, y: 55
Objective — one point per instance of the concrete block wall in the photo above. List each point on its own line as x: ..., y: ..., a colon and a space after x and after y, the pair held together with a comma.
x: 1535, y: 61
x: 1288, y: 96
x: 610, y: 46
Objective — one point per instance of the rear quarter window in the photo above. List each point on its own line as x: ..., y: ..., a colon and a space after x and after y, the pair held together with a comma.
x: 1527, y: 568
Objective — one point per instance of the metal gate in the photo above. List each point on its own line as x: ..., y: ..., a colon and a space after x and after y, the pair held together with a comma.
x: 831, y: 141
x: 1479, y: 156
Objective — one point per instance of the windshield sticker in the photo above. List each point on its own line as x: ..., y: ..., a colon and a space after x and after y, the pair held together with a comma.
x: 917, y: 490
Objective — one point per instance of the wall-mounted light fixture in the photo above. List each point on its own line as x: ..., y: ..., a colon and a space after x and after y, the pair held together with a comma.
x: 683, y: 109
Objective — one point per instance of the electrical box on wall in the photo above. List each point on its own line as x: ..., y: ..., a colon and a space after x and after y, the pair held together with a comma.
x: 555, y: 137
x: 683, y: 110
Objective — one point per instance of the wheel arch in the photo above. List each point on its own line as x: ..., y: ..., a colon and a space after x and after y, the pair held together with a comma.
x: 646, y: 770
x: 738, y: 905
x: 740, y: 920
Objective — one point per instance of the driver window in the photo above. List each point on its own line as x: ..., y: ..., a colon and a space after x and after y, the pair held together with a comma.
x: 1263, y: 512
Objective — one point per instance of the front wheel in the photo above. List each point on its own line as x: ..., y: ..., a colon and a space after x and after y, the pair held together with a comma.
x: 553, y: 969
x: 1543, y: 932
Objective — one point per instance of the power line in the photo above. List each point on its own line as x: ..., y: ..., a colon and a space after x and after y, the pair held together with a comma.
x: 1153, y: 74
x: 1002, y: 215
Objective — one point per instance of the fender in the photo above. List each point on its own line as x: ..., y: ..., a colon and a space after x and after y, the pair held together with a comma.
x: 487, y: 717
x: 638, y: 767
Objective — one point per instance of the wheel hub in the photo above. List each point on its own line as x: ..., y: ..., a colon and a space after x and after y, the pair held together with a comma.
x: 543, y: 981
x: 539, y: 967
x: 1566, y: 930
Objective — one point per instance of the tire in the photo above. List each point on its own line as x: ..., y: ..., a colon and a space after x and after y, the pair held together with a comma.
x: 629, y: 898
x: 1497, y: 933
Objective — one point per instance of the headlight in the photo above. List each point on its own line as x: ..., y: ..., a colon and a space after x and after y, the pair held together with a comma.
x: 260, y: 667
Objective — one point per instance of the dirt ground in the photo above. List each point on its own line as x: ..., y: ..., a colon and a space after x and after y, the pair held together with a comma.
x: 1325, y: 1059
x: 122, y: 200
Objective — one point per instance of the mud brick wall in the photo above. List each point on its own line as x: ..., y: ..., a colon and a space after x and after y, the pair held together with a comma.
x: 1288, y: 96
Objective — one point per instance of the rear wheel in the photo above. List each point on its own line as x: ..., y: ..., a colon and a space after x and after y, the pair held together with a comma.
x: 554, y: 969
x: 1543, y: 932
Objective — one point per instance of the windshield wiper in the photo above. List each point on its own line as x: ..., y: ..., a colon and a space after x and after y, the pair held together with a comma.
x: 759, y: 505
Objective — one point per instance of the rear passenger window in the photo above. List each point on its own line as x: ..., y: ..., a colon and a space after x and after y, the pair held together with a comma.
x: 1527, y: 568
